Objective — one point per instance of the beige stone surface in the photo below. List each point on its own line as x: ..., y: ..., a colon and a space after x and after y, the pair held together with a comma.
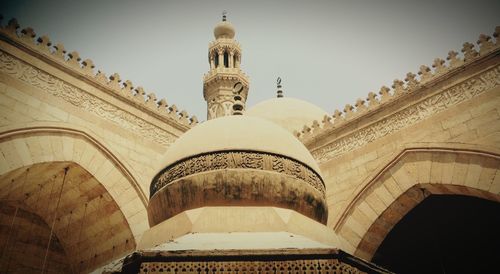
x: 237, y: 219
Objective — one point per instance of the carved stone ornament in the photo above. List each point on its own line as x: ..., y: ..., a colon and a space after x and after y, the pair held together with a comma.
x: 291, y: 266
x: 237, y: 160
x: 81, y: 99
x: 411, y: 115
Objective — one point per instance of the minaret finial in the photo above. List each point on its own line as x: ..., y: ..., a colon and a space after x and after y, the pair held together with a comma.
x: 278, y: 83
x: 224, y: 13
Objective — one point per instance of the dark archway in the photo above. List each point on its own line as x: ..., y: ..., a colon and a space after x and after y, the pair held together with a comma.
x: 444, y: 234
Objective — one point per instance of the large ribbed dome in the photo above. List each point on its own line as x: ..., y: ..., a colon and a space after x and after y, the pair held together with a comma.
x: 237, y: 161
x: 290, y: 113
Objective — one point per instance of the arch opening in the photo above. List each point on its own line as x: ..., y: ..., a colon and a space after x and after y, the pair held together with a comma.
x: 87, y: 226
x: 444, y: 234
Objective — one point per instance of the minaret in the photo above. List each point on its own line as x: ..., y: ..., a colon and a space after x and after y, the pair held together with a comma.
x: 225, y: 75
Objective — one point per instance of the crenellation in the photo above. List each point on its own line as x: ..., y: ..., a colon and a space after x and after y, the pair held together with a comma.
x: 372, y: 99
x: 183, y: 117
x: 139, y: 94
x: 425, y: 73
x: 162, y: 106
x: 60, y: 52
x: 469, y: 51
x: 114, y: 82
x: 338, y: 117
x: 411, y: 83
x: 360, y: 106
x: 88, y: 67
x: 151, y: 102
x: 194, y: 120
x: 454, y: 60
x: 101, y: 78
x: 397, y: 88
x: 384, y: 94
x: 348, y: 110
x: 485, y: 44
x: 44, y: 44
x: 28, y: 36
x: 11, y: 28
x: 439, y: 66
x: 128, y: 89
x: 73, y: 61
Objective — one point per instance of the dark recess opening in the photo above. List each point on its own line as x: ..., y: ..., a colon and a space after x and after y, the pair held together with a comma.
x: 216, y: 60
x: 226, y: 59
x: 444, y: 234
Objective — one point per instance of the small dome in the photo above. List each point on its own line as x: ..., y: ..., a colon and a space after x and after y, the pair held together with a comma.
x: 290, y: 113
x: 237, y: 161
x: 239, y: 132
x: 224, y: 29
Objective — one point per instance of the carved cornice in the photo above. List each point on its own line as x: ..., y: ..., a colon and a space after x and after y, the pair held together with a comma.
x: 79, y: 98
x: 222, y: 73
x: 237, y: 160
x: 72, y: 64
x: 411, y: 115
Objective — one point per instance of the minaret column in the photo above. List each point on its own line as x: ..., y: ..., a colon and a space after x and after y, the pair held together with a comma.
x: 231, y: 57
x: 222, y: 86
x: 212, y: 61
x: 221, y: 57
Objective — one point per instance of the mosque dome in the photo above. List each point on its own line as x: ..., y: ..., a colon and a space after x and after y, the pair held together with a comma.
x: 237, y: 161
x: 224, y: 29
x: 290, y: 113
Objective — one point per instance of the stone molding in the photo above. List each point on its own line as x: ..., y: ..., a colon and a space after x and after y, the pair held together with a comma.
x: 72, y: 63
x: 411, y: 115
x: 79, y: 98
x: 237, y: 160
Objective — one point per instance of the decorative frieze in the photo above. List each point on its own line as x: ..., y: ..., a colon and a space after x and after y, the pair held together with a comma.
x: 237, y: 160
x: 411, y: 115
x: 79, y: 98
x: 272, y: 266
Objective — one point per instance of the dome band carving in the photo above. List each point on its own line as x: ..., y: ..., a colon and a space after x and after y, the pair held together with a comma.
x: 237, y: 160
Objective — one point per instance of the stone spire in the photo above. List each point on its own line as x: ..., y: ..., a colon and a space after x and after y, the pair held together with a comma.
x: 224, y: 56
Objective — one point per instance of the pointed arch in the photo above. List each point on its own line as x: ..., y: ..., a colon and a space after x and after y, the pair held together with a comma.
x: 52, y: 142
x: 401, y: 184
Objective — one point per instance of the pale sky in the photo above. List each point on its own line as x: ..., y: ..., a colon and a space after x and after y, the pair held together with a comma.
x: 327, y: 52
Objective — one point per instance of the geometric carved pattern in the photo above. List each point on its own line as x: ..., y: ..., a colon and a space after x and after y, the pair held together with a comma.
x: 411, y: 115
x: 81, y: 99
x: 293, y: 266
x: 243, y: 261
x: 237, y: 160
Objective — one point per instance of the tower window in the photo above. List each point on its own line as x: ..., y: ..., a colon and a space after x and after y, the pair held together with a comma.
x: 226, y: 59
x: 216, y: 59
